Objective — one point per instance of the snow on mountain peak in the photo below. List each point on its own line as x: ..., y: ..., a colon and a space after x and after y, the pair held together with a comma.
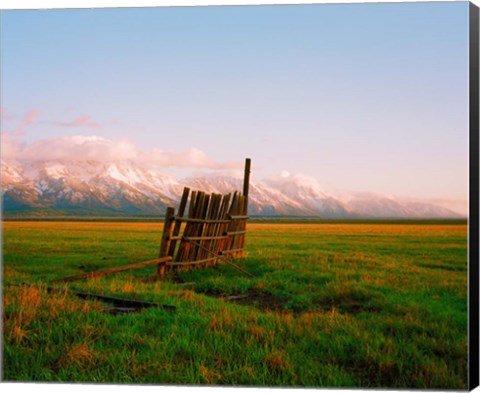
x: 10, y: 174
x: 56, y: 170
x: 297, y: 185
x: 126, y: 175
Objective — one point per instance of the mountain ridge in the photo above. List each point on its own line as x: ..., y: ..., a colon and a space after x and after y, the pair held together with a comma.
x: 124, y: 189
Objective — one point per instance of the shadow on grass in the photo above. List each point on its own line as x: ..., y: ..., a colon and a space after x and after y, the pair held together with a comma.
x: 444, y: 267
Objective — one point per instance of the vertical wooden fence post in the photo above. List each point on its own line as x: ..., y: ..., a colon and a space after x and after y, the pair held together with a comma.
x: 167, y: 234
x: 246, y: 177
x: 244, y: 210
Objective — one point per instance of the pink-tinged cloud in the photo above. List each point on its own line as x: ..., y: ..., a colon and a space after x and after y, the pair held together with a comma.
x: 82, y: 121
x: 81, y: 148
x: 26, y: 121
x: 10, y: 147
x: 30, y: 116
x: 95, y: 148
x: 191, y: 158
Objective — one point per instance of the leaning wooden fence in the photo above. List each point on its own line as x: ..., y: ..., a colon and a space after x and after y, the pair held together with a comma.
x: 213, y: 228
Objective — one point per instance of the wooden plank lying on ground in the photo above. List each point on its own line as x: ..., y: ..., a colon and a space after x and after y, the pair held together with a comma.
x: 116, y: 301
x: 112, y: 270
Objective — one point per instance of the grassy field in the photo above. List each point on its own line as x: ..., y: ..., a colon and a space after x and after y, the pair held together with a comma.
x: 332, y: 305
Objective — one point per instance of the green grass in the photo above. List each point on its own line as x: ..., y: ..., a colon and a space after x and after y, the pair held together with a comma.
x: 332, y: 305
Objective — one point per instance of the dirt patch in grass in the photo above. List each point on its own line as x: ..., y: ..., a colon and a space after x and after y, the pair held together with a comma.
x: 253, y: 297
x: 260, y: 299
x: 350, y: 302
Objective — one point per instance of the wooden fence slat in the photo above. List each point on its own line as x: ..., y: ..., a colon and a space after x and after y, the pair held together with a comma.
x: 242, y: 225
x: 208, y: 228
x: 202, y: 220
x: 190, y: 263
x: 178, y: 224
x: 231, y: 225
x: 165, y: 242
x: 235, y: 233
x: 213, y: 237
x: 167, y: 229
x: 200, y: 238
x: 235, y: 210
x: 198, y: 227
x: 220, y: 227
x: 183, y: 248
x: 242, y: 217
x: 115, y: 270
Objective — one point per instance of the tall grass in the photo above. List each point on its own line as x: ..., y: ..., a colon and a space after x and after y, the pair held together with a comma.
x: 332, y: 305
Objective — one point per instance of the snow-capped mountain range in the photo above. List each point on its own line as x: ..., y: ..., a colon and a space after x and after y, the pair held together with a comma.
x: 126, y: 189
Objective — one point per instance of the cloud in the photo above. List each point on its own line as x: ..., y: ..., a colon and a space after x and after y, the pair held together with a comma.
x: 190, y: 158
x: 24, y: 121
x: 82, y: 121
x: 81, y: 148
x: 11, y: 148
x: 78, y: 147
x: 29, y: 117
x: 96, y: 148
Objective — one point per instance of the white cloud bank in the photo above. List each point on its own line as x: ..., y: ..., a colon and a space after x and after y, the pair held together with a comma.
x: 96, y: 148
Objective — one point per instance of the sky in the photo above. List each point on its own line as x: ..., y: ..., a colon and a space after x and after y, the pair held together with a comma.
x: 365, y: 97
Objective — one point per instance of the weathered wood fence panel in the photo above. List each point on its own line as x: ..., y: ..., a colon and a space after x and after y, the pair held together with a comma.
x: 214, y: 228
